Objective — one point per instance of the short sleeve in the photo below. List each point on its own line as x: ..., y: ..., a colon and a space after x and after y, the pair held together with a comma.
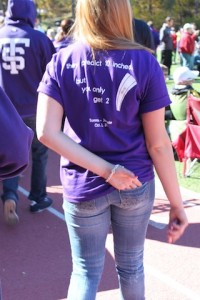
x: 155, y: 95
x: 49, y: 83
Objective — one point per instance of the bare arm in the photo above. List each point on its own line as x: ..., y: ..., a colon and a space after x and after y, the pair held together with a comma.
x: 49, y: 118
x: 160, y: 150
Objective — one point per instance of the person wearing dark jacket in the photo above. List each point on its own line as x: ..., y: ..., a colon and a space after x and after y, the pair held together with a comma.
x: 155, y: 34
x: 167, y: 44
x: 24, y: 54
x: 142, y: 34
x: 12, y: 129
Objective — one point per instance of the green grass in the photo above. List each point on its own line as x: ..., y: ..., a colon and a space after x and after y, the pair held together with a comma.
x: 170, y: 83
x: 193, y: 182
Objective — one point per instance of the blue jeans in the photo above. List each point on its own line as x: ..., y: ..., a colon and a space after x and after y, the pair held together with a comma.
x: 38, y: 173
x: 88, y: 224
x: 187, y: 60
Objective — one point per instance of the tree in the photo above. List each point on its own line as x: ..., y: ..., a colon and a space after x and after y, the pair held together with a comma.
x: 156, y: 10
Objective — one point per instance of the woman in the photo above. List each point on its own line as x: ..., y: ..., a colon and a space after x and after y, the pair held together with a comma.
x: 113, y: 96
x: 62, y: 38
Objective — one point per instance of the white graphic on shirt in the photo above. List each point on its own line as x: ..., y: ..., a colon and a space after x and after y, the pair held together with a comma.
x: 81, y: 81
x: 111, y: 63
x: 99, y: 92
x: 127, y: 83
x: 86, y: 89
x: 71, y: 66
x: 100, y: 122
x: 94, y: 62
x: 12, y: 53
x: 98, y: 63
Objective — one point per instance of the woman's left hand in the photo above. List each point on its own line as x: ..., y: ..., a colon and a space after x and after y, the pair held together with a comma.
x: 124, y: 179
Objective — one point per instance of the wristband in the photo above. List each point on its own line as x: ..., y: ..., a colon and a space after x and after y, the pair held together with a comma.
x: 113, y: 171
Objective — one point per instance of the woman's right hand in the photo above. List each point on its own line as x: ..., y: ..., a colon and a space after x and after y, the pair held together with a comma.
x: 178, y: 222
x: 123, y: 179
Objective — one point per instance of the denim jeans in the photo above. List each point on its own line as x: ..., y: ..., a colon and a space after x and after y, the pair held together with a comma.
x: 187, y: 60
x: 38, y: 173
x: 88, y: 224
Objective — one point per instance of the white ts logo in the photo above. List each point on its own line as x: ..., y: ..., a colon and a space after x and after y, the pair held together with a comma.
x: 12, y: 54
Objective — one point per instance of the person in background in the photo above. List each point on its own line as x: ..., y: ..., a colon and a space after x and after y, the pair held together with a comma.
x: 179, y: 94
x: 15, y: 147
x: 142, y: 34
x: 156, y: 36
x: 197, y: 57
x: 37, y: 25
x: 113, y: 94
x: 62, y: 38
x: 183, y: 79
x: 178, y: 37
x: 24, y: 55
x: 167, y: 44
x: 51, y: 33
x: 174, y: 38
x: 187, y: 45
x: 165, y: 70
x: 195, y: 30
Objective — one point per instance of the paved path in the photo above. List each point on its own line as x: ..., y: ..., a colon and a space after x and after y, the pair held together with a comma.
x: 35, y: 261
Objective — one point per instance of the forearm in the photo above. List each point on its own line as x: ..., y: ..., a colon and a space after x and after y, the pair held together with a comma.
x: 163, y: 161
x: 48, y: 127
x: 66, y: 147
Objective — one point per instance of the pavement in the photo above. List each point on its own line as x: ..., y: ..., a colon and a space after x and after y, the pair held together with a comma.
x: 35, y: 261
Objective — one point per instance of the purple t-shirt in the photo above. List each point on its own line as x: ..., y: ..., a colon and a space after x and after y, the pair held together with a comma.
x: 63, y: 43
x: 103, y: 98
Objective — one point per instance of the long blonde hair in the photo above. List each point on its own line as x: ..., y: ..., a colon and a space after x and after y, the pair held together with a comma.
x: 105, y: 24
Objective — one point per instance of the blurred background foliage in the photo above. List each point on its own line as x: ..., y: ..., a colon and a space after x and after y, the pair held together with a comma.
x: 182, y: 11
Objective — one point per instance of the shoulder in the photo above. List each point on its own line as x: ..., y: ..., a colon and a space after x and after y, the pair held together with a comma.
x: 141, y: 28
x: 143, y: 34
x: 145, y: 66
x: 140, y: 24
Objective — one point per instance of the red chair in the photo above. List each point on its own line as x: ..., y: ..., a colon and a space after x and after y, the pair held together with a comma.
x: 187, y: 145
